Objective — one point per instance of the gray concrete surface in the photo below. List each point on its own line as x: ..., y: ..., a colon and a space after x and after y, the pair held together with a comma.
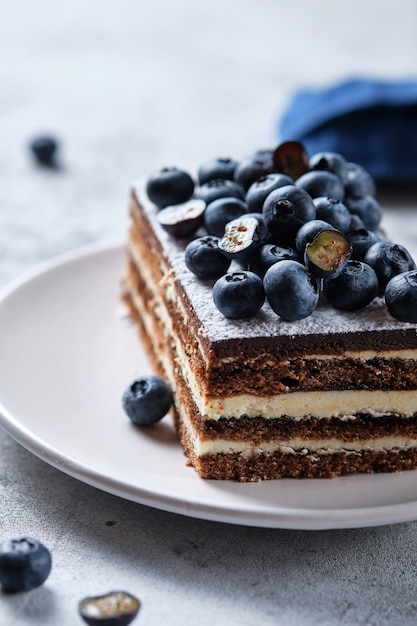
x: 129, y: 86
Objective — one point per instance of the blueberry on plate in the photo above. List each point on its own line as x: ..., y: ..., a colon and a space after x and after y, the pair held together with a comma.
x: 204, y: 259
x: 327, y: 254
x: 359, y: 182
x: 219, y: 188
x: 330, y: 162
x: 291, y: 290
x: 216, y: 169
x: 221, y: 211
x: 253, y: 168
x: 401, y: 296
x: 147, y: 400
x: 116, y: 608
x: 239, y: 295
x: 285, y: 210
x: 241, y: 238
x: 182, y: 220
x: 290, y: 158
x: 25, y: 563
x: 367, y: 208
x: 45, y: 149
x: 388, y: 259
x: 169, y: 185
x: 321, y: 183
x: 269, y: 254
x: 261, y: 188
x: 334, y: 212
x: 354, y: 288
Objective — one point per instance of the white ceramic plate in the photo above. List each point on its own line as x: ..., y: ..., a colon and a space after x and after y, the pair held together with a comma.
x: 66, y: 355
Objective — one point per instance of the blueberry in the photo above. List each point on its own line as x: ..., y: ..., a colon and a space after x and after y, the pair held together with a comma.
x: 260, y: 189
x: 45, y: 149
x: 239, y: 295
x: 116, y: 608
x: 269, y: 254
x: 290, y: 158
x: 388, y: 259
x: 308, y: 232
x: 330, y: 162
x: 367, y: 208
x: 147, y: 400
x: 216, y: 169
x: 362, y: 239
x: 401, y: 296
x: 182, y: 220
x: 264, y: 234
x: 204, y: 259
x: 253, y: 168
x: 327, y: 254
x: 285, y: 210
x: 219, y: 188
x: 25, y: 563
x: 169, y: 185
x: 359, y: 182
x: 321, y: 183
x: 354, y: 288
x: 291, y: 290
x: 334, y: 212
x: 241, y: 238
x: 219, y: 212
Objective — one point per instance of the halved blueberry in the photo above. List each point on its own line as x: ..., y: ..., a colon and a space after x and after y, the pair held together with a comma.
x: 354, y: 288
x: 291, y: 290
x: 239, y: 295
x: 321, y: 183
x: 204, y: 259
x: 182, y: 220
x: 401, y: 296
x: 169, y: 185
x: 116, y: 608
x: 147, y: 400
x: 241, y: 238
x: 25, y: 563
x: 327, y: 254
x: 308, y: 232
x: 221, y: 211
x: 285, y: 210
x: 216, y: 169
x: 388, y: 259
x: 290, y: 158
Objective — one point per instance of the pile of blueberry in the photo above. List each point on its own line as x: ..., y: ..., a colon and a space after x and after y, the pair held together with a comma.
x: 297, y: 226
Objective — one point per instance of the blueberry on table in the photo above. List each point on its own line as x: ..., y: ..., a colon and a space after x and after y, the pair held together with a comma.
x: 330, y: 162
x: 291, y: 290
x: 269, y: 254
x: 116, y: 608
x: 221, y: 211
x: 354, y: 288
x: 219, y: 188
x: 321, y: 183
x: 334, y: 212
x: 261, y: 188
x: 45, y: 149
x: 285, y: 210
x: 239, y: 295
x: 204, y: 259
x: 401, y: 296
x: 169, y: 185
x: 327, y: 254
x: 290, y: 158
x: 25, y: 563
x: 216, y: 169
x: 182, y: 220
x: 388, y: 259
x: 147, y: 400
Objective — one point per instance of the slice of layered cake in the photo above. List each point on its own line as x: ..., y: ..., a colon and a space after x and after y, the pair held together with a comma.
x: 297, y: 367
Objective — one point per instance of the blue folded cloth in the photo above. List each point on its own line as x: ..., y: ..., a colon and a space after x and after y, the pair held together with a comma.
x: 370, y: 122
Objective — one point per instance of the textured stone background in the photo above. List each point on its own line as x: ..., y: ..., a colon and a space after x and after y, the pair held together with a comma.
x: 129, y: 86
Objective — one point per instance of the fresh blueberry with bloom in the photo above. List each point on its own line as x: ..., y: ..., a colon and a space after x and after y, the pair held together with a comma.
x: 285, y: 210
x: 388, y: 259
x: 359, y: 182
x: 169, y: 185
x: 204, y: 259
x: 401, y: 296
x: 253, y: 167
x: 291, y: 290
x: 334, y: 212
x: 354, y: 288
x: 147, y: 400
x: 321, y: 183
x: 362, y: 239
x: 269, y: 254
x: 330, y: 162
x: 239, y: 294
x: 219, y: 188
x: 261, y: 188
x: 367, y: 208
x: 216, y: 169
x: 25, y: 563
x: 219, y: 212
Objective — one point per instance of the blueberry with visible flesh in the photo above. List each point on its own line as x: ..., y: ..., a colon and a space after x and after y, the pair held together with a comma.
x: 219, y: 188
x: 401, y: 296
x: 269, y: 254
x: 116, y: 608
x: 25, y: 563
x: 219, y: 212
x: 330, y: 162
x: 264, y: 234
x: 354, y: 288
x: 253, y: 168
x: 182, y: 220
x: 216, y: 169
x: 334, y: 212
x: 239, y: 295
x: 290, y: 158
x: 321, y: 183
x: 362, y: 239
x: 359, y: 182
x: 388, y: 259
x: 285, y: 210
x: 291, y: 290
x: 260, y: 189
x: 308, y: 232
x: 367, y: 208
x: 204, y: 259
x: 147, y: 400
x: 169, y: 185
x: 45, y: 149
x: 327, y: 254
x: 241, y: 238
